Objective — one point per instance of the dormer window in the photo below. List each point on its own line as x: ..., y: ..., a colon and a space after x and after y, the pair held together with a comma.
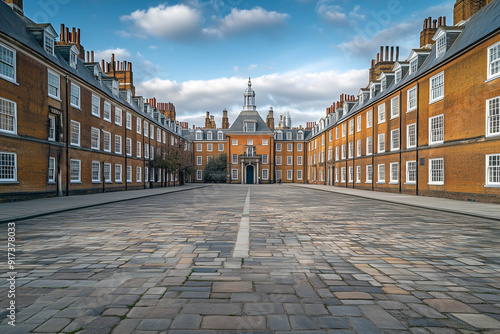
x: 249, y: 126
x: 48, y: 42
x: 288, y: 136
x: 129, y: 96
x: 384, y: 84
x: 209, y: 135
x: 116, y: 88
x: 441, y: 46
x: 279, y: 135
x: 72, y: 58
x: 199, y: 135
x: 300, y: 135
x: 414, y: 65
x: 220, y: 135
x: 399, y: 75
x: 360, y: 96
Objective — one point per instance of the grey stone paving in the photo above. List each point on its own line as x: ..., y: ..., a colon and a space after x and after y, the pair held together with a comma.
x: 317, y: 262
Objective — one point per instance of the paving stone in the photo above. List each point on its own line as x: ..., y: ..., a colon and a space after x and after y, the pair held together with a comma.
x: 352, y: 311
x: 365, y: 326
x: 315, y: 309
x: 154, y: 324
x: 232, y: 287
x: 186, y: 321
x: 245, y: 297
x: 213, y: 308
x: 449, y: 306
x: 480, y: 321
x: 53, y: 325
x: 235, y: 323
x: 380, y: 317
x: 302, y: 322
x: 426, y: 311
x: 331, y: 323
x: 279, y: 323
x: 262, y: 308
x: 353, y: 295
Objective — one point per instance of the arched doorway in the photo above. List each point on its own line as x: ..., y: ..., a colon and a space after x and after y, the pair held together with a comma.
x: 250, y: 174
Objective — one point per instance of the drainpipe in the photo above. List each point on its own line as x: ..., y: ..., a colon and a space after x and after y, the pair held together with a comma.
x: 400, y: 141
x: 416, y: 139
x: 373, y: 148
x: 67, y: 138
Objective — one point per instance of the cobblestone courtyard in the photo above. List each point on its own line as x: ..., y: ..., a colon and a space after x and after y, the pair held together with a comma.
x: 317, y: 262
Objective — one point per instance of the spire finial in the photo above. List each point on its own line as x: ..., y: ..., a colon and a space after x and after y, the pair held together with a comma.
x: 249, y: 82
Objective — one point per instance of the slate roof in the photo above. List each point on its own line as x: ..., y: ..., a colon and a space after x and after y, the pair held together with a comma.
x: 16, y: 27
x: 238, y: 125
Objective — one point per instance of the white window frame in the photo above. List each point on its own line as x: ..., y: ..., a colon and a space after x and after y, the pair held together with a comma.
x: 289, y: 160
x: 106, y: 134
x: 146, y: 150
x: 234, y: 174
x: 289, y: 174
x: 221, y: 148
x: 436, y: 89
x: 14, y: 168
x: 299, y: 175
x: 411, y: 99
x: 72, y: 133
x: 369, y: 145
x: 129, y: 174
x: 199, y: 147
x: 128, y: 146
x: 358, y: 174
x: 369, y: 119
x: 158, y: 135
x: 52, y: 170
x: 138, y: 127
x: 393, y: 142
x: 139, y: 149
x: 107, y: 173
x: 394, y: 173
x: 75, y: 162
x: 220, y: 135
x: 210, y: 135
x: 265, y: 142
x: 52, y: 128
x: 118, y: 116
x: 434, y: 132
x: 75, y: 88
x: 4, y: 104
x: 493, y: 121
x: 199, y: 160
x: 342, y: 174
x: 138, y: 174
x: 210, y: 147
x: 495, y: 170
x: 289, y: 147
x: 106, y: 114
x: 408, y: 171
x: 278, y: 147
x: 358, y: 148
x: 299, y: 147
x: 96, y: 105
x: 118, y: 144
x: 98, y: 165
x: 278, y: 160
x: 128, y: 120
x: 146, y: 128
x: 381, y: 143
x: 351, y: 174
x: 343, y: 130
x: 358, y: 124
x: 265, y: 159
x: 299, y: 160
x: 93, y: 145
x: 234, y: 159
x: 351, y: 150
x: 381, y: 113
x: 493, y: 64
x: 343, y: 151
x: 12, y: 65
x: 369, y: 174
x: 431, y: 180
x: 234, y: 142
x: 351, y: 126
x: 199, y: 175
x: 413, y: 65
x: 146, y: 174
x: 57, y: 88
x: 411, y: 131
x: 441, y: 46
x: 381, y: 171
x: 118, y: 173
x: 395, y: 107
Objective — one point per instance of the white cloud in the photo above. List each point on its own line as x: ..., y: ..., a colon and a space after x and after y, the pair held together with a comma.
x: 170, y: 22
x: 246, y: 21
x: 330, y: 12
x: 120, y: 54
x: 305, y: 95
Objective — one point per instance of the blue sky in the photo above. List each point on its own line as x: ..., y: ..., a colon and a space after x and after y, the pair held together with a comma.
x: 198, y: 54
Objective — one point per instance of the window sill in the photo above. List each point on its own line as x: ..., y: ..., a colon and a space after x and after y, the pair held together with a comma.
x: 76, y: 182
x: 492, y: 78
x: 492, y: 185
x: 393, y: 183
x: 98, y: 116
x: 490, y: 135
x: 369, y: 181
x: 9, y: 182
x: 109, y: 182
x: 394, y: 117
x: 436, y: 143
x: 57, y: 98
x: 410, y: 183
x: 436, y: 100
x: 395, y: 149
x: 107, y: 120
x: 118, y: 181
x: 51, y: 182
x: 380, y: 182
x: 75, y: 107
x: 436, y: 183
x: 410, y: 110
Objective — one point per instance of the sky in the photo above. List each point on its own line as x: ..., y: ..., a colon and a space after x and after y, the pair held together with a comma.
x: 198, y: 54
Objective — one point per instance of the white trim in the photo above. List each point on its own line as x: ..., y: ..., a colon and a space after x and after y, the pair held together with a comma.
x: 79, y: 180
x: 487, y: 182
x: 71, y: 133
x: 14, y: 125
x: 407, y: 172
x: 98, y: 164
x: 497, y: 75
x: 431, y: 142
x: 440, y: 97
x: 488, y: 134
x: 96, y: 113
x: 14, y: 65
x: 438, y: 183
x: 77, y: 88
x: 408, y: 91
x: 58, y: 95
x: 92, y: 131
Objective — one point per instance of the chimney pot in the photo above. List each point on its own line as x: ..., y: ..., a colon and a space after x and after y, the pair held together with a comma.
x: 429, y: 22
x: 66, y: 35
x: 92, y: 56
x: 373, y: 63
x: 444, y: 20
x: 378, y: 57
x: 381, y: 53
x: 78, y: 37
x: 392, y: 53
x: 425, y: 24
x: 397, y: 53
x: 386, y: 53
x: 434, y: 23
x: 62, y: 32
x: 88, y: 56
x: 73, y: 35
x: 440, y: 21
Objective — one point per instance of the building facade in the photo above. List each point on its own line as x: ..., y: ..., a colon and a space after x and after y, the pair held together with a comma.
x: 426, y: 125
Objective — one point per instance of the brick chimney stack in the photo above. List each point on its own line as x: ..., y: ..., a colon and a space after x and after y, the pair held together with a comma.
x: 72, y: 38
x: 464, y: 9
x: 383, y: 63
x: 17, y: 6
x: 121, y: 71
x: 429, y: 30
x: 225, y: 119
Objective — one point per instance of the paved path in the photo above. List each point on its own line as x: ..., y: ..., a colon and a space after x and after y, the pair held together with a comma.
x: 39, y: 207
x: 318, y: 262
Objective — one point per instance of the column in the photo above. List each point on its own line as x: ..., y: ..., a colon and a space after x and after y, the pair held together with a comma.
x: 242, y: 173
x: 257, y: 173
